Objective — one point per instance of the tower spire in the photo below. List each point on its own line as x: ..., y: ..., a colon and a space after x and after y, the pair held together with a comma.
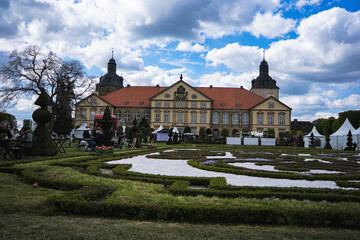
x: 264, y: 55
x: 112, y: 52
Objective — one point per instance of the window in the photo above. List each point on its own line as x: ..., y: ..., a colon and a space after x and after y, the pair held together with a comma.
x: 193, y: 130
x: 203, y: 105
x: 216, y: 118
x: 93, y: 101
x: 117, y: 114
x: 203, y: 118
x: 180, y: 104
x: 127, y: 116
x: 92, y: 114
x: 157, y: 104
x: 167, y: 104
x: 82, y: 115
x: 245, y: 118
x: 147, y: 115
x: 235, y: 119
x: 157, y: 117
x: 270, y: 119
x: 167, y: 95
x: 193, y: 118
x: 282, y: 120
x: 166, y: 117
x: 180, y: 118
x: 194, y: 96
x: 194, y: 104
x: 225, y: 119
x: 259, y: 119
x: 141, y: 102
x: 137, y: 115
x: 270, y: 104
x: 107, y: 89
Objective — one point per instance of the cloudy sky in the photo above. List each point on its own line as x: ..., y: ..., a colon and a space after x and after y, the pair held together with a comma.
x: 312, y: 46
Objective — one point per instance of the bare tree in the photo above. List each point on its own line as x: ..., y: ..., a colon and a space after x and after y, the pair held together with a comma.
x: 29, y: 70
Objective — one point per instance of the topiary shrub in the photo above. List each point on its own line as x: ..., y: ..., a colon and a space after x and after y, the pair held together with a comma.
x: 349, y: 143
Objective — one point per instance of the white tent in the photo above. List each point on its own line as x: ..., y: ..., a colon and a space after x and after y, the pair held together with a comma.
x: 319, y: 139
x: 78, y: 133
x: 356, y: 138
x: 339, y: 138
x: 175, y: 130
x: 157, y: 130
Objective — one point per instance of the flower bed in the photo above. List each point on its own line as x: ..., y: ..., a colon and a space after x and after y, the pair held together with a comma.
x: 104, y: 149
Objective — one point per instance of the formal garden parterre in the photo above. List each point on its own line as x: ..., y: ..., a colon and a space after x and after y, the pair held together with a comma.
x: 78, y: 185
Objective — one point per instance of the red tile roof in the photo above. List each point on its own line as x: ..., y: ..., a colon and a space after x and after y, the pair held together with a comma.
x: 230, y: 98
x: 224, y: 98
x: 133, y: 95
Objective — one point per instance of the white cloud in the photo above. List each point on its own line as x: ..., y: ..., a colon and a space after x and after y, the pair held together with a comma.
x: 302, y: 3
x: 236, y: 57
x: 352, y: 101
x: 270, y: 25
x: 221, y: 79
x: 329, y: 94
x: 186, y: 47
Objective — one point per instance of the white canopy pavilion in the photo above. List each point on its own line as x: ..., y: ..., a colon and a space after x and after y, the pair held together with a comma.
x: 319, y: 139
x: 339, y: 138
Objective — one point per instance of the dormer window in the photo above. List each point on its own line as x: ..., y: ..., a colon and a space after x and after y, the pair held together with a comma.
x: 141, y: 102
x: 126, y: 102
x: 222, y: 104
x: 238, y: 104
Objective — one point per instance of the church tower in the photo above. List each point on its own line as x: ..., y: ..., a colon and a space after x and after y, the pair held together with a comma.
x: 110, y: 82
x: 264, y: 85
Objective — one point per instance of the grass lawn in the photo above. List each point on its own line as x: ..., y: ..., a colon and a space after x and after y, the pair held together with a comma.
x: 25, y: 211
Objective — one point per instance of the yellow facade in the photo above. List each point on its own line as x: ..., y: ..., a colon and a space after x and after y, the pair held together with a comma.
x: 271, y: 114
x: 169, y: 110
x: 87, y: 108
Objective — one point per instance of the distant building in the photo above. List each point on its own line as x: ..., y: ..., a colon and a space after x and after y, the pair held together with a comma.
x: 183, y: 105
x: 301, y: 127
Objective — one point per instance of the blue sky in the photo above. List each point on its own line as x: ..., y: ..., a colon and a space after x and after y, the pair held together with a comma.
x: 312, y: 46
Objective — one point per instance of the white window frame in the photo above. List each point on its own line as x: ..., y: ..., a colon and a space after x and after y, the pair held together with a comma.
x: 157, y: 117
x: 282, y: 119
x: 216, y: 118
x: 235, y: 119
x: 166, y: 117
x: 260, y: 119
x: 180, y: 118
x: 245, y: 118
x: 203, y: 118
x: 225, y: 119
x: 193, y: 104
x: 167, y: 104
x: 157, y: 104
x: 271, y: 119
x: 127, y: 116
x: 193, y: 118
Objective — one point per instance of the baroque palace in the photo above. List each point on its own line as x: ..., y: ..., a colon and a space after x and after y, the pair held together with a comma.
x: 181, y: 105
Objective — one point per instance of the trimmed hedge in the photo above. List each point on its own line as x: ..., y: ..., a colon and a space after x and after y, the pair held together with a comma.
x: 219, y: 188
x: 226, y: 168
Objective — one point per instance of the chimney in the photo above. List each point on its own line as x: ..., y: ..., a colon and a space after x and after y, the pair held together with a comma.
x: 157, y: 85
x: 241, y: 87
x: 128, y: 85
x: 210, y: 86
